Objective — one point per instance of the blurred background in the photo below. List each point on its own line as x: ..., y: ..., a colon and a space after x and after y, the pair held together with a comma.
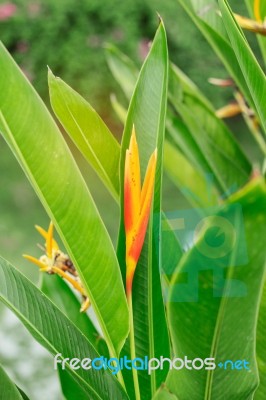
x: 69, y: 36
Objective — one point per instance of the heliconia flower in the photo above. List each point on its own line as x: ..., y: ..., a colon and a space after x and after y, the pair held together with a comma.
x: 137, y: 204
x: 257, y: 25
x: 229, y: 111
x: 257, y: 10
x: 251, y: 25
x: 54, y: 261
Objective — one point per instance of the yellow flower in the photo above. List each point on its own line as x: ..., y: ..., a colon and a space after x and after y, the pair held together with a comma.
x: 257, y: 10
x: 137, y: 204
x: 228, y: 111
x: 54, y: 261
x: 257, y: 25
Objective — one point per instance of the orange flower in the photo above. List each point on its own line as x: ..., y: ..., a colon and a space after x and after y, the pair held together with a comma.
x: 137, y: 204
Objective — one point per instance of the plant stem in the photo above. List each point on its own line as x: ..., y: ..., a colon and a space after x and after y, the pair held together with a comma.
x: 254, y: 129
x: 119, y: 374
x: 132, y: 346
x: 121, y: 379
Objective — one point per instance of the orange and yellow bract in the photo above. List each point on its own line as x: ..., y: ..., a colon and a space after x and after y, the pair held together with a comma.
x: 137, y: 204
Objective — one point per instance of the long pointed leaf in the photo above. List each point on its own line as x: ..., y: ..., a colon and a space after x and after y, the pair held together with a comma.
x: 123, y: 69
x: 261, y: 348
x: 50, y: 327
x: 164, y: 394
x: 63, y: 297
x: 188, y: 178
x: 147, y: 112
x: 9, y: 390
x: 251, y: 70
x: 38, y: 145
x: 198, y: 136
x: 261, y: 39
x: 87, y: 130
x: 205, y: 16
x: 213, y: 148
x: 215, y: 300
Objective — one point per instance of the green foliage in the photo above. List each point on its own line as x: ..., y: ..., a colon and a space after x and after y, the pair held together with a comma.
x: 147, y: 112
x: 216, y: 136
x: 55, y: 332
x: 87, y: 130
x: 261, y: 40
x: 9, y: 391
x: 52, y: 171
x: 214, y: 297
x: 261, y: 348
x: 205, y: 140
x: 64, y: 298
x: 207, y: 137
x: 217, y: 326
x: 253, y: 73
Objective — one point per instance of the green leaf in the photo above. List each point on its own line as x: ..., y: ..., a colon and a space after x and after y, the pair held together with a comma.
x: 197, y: 137
x: 206, y: 17
x: 44, y: 156
x: 9, y: 390
x: 24, y: 396
x: 254, y: 75
x: 214, y: 302
x: 70, y: 388
x: 181, y: 85
x: 120, y: 111
x: 193, y: 185
x: 51, y: 328
x: 123, y: 69
x: 171, y: 250
x: 147, y: 112
x: 63, y: 297
x: 261, y: 39
x: 126, y: 75
x: 179, y: 134
x: 261, y: 348
x: 87, y: 130
x: 206, y: 140
x: 164, y: 394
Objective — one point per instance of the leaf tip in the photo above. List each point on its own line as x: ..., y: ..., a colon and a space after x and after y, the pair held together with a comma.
x: 159, y: 17
x: 50, y: 74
